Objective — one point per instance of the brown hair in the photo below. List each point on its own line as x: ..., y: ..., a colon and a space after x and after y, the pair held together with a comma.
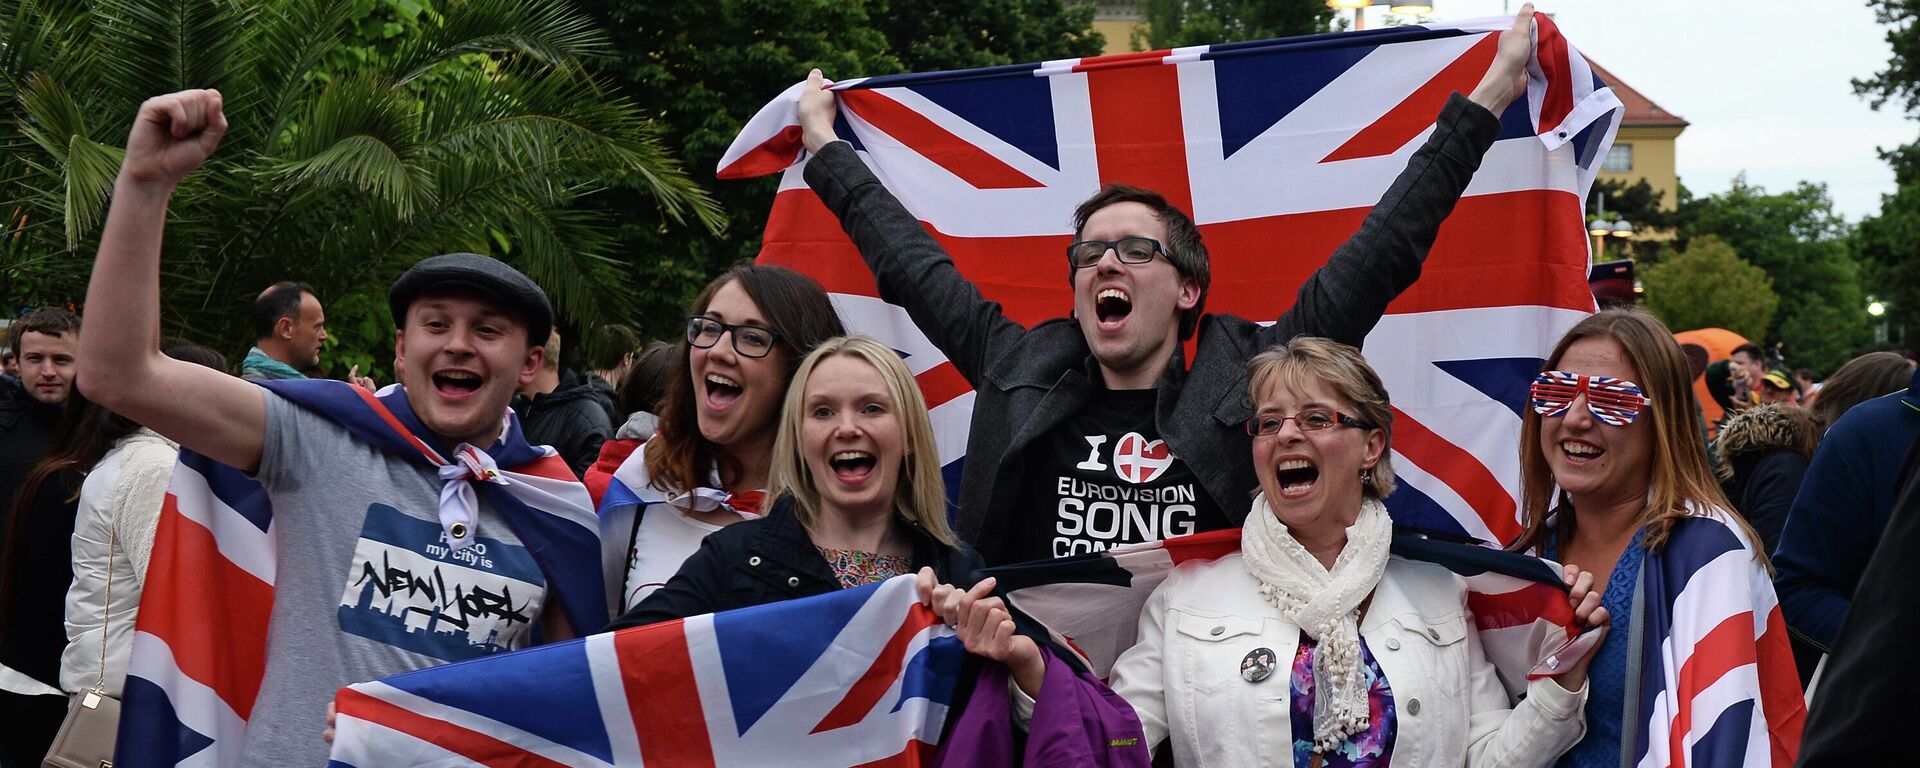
x: 1184, y: 250
x: 1680, y: 475
x: 921, y: 494
x: 1340, y: 366
x: 49, y: 321
x: 797, y: 310
x: 1861, y: 379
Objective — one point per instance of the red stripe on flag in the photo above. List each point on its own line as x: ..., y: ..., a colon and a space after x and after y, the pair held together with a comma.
x: 1119, y: 60
x: 212, y: 614
x: 941, y: 384
x: 1462, y: 472
x: 771, y: 156
x: 1782, y: 698
x: 380, y: 409
x: 656, y: 671
x: 1138, y: 138
x: 960, y: 157
x: 470, y: 744
x: 1414, y: 114
x: 865, y: 693
x: 550, y: 467
x: 1726, y: 647
x: 1258, y: 264
x: 1520, y: 607
x: 1203, y: 547
x: 1554, y: 57
x: 916, y: 754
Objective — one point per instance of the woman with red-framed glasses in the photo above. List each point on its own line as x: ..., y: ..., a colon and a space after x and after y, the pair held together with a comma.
x: 1615, y: 480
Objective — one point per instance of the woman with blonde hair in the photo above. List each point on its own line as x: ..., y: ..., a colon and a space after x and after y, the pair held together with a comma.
x: 859, y: 496
x: 1615, y: 481
x: 1314, y: 646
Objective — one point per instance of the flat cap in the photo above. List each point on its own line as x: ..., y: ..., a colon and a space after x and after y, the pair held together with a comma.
x: 485, y: 275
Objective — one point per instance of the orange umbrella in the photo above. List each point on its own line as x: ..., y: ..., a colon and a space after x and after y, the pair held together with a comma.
x: 1719, y: 344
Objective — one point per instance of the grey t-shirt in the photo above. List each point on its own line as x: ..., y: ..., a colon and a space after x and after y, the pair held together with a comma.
x: 366, y: 585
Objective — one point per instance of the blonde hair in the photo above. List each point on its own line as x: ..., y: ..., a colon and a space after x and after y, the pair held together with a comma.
x: 921, y: 495
x: 1679, y: 476
x: 1341, y: 367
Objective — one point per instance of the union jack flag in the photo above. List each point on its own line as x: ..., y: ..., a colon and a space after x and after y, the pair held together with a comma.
x: 856, y: 677
x: 1717, y: 684
x: 200, y: 643
x: 1285, y: 141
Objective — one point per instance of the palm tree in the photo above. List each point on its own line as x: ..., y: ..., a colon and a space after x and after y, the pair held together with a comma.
x: 474, y: 133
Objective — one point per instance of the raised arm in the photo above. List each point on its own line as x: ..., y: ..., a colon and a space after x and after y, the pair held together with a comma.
x: 121, y: 366
x: 1344, y: 299
x: 913, y: 271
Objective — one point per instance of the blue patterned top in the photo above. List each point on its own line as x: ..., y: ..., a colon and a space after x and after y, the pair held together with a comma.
x: 1607, y: 676
x: 1371, y: 748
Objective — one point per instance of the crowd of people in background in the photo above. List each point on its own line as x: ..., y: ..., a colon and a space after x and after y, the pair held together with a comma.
x: 767, y: 454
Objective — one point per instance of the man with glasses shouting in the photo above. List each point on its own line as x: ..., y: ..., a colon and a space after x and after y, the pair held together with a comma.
x: 1092, y: 431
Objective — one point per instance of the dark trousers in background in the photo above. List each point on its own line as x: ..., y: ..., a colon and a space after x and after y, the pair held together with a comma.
x: 29, y: 725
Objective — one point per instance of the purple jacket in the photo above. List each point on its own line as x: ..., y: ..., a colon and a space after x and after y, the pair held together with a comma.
x: 1077, y: 721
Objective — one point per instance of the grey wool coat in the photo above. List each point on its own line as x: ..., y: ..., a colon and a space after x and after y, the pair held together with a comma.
x: 1030, y: 380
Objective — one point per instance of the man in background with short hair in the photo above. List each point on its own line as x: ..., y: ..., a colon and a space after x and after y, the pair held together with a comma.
x: 46, y: 344
x: 289, y: 327
x: 563, y: 409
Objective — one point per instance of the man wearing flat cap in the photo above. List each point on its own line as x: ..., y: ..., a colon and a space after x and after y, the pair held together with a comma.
x: 407, y: 529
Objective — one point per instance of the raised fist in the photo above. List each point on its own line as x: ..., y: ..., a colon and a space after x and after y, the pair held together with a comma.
x: 173, y: 135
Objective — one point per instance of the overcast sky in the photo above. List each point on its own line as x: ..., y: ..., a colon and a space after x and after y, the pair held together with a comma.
x: 1763, y: 82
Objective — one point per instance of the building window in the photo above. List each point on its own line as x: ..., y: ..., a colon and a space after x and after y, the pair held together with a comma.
x: 1619, y: 159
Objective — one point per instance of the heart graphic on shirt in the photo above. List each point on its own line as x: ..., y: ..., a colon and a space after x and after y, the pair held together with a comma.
x: 1138, y: 461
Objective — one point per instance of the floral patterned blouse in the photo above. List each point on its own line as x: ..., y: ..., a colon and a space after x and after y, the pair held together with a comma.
x: 1371, y: 748
x: 854, y: 567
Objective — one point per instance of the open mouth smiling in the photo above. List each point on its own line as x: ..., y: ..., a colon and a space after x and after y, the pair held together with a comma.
x: 1112, y: 306
x: 853, y: 467
x: 1296, y: 477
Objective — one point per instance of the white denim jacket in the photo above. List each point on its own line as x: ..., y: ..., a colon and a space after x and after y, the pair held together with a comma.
x: 1184, y: 677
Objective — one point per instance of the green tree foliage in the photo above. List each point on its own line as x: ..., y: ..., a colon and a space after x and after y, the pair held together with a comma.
x: 1709, y: 286
x: 704, y: 67
x: 1800, y: 242
x: 1888, y: 244
x: 1174, y: 23
x: 478, y: 131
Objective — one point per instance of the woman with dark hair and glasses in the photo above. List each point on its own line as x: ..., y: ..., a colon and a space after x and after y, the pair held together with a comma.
x: 1615, y: 480
x: 1314, y: 646
x: 707, y: 466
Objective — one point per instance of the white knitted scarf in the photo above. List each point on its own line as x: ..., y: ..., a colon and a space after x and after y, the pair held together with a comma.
x: 1325, y: 604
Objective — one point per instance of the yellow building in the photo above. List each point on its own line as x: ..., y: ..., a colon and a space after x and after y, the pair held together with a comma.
x: 1116, y: 21
x: 1644, y: 146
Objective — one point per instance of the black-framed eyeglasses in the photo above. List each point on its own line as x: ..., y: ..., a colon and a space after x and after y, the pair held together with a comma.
x: 748, y: 340
x: 1130, y: 250
x: 1310, y: 420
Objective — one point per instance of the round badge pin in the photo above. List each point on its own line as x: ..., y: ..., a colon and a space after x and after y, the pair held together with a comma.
x: 1257, y: 665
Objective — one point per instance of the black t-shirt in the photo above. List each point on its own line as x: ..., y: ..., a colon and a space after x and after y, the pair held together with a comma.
x: 1104, y: 478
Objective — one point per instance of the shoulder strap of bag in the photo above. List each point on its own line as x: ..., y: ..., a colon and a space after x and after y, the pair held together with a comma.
x: 1630, y: 724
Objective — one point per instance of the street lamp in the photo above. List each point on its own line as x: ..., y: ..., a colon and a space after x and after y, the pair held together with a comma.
x: 1876, y: 308
x: 1601, y: 228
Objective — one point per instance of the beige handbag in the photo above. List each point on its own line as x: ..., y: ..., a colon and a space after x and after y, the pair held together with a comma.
x: 86, y: 737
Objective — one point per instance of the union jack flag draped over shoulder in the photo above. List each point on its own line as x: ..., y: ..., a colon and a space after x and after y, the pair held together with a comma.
x: 1273, y: 146
x: 200, y: 643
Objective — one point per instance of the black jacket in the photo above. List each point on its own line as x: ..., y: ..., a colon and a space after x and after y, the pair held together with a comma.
x: 769, y: 560
x: 1864, y: 700
x: 572, y: 418
x: 26, y: 426
x: 39, y: 569
x: 1029, y: 380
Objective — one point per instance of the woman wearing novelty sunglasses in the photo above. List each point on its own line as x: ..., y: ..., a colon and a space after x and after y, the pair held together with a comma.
x: 1612, y: 429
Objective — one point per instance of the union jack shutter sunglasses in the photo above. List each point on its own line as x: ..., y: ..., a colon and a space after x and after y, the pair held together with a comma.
x: 1615, y: 402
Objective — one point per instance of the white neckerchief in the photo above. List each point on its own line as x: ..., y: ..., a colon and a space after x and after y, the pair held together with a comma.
x: 459, y: 504
x: 1325, y: 604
